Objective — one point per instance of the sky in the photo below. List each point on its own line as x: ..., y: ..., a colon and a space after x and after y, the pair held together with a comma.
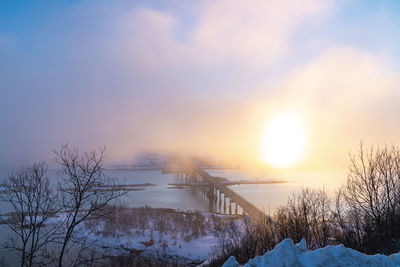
x: 200, y: 77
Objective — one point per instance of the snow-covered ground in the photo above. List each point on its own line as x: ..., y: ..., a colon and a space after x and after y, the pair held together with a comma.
x: 155, y: 233
x: 195, y: 249
x: 287, y: 253
x: 160, y: 233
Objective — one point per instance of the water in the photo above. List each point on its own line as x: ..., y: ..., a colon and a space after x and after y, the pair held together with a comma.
x: 264, y: 196
x: 161, y: 195
x: 270, y: 196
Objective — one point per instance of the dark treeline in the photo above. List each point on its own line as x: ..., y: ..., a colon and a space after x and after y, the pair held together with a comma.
x: 363, y: 215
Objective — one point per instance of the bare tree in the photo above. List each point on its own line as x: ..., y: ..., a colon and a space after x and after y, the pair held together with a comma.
x: 85, y: 192
x: 368, y: 205
x: 32, y: 204
x: 306, y: 215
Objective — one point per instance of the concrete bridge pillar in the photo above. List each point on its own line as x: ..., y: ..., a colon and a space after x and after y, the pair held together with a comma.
x: 213, y: 193
x: 236, y: 208
x: 224, y: 204
x: 214, y: 190
x: 230, y: 206
x: 220, y: 202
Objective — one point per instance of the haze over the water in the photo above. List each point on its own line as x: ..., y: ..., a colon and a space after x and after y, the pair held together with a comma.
x: 202, y: 77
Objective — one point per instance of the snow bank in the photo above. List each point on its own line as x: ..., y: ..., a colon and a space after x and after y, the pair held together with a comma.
x: 287, y: 253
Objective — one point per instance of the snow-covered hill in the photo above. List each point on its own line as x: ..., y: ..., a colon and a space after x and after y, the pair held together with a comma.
x: 287, y: 253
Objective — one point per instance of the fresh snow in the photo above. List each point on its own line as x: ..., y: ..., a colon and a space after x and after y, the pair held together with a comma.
x: 287, y: 253
x: 180, y: 245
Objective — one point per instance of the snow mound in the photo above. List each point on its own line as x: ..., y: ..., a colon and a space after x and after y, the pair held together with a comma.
x: 287, y: 253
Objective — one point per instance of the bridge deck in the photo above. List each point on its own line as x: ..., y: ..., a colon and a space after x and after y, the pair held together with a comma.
x: 246, y: 205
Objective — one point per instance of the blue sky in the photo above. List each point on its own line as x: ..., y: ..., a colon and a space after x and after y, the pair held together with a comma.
x: 199, y: 76
x: 372, y: 25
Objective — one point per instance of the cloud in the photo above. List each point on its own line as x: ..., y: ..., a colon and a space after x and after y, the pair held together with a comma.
x: 224, y: 32
x: 255, y: 32
x: 188, y: 76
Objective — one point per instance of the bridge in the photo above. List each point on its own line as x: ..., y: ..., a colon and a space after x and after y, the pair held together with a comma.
x: 217, y: 192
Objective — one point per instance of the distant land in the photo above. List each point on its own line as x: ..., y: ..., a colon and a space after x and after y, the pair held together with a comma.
x: 158, y: 161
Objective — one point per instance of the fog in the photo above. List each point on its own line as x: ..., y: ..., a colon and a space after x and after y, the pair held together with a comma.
x: 199, y: 77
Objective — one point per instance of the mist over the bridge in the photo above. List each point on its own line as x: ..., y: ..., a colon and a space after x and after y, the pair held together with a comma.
x: 199, y: 78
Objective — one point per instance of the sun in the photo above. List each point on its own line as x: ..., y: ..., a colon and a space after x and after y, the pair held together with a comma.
x: 283, y: 140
